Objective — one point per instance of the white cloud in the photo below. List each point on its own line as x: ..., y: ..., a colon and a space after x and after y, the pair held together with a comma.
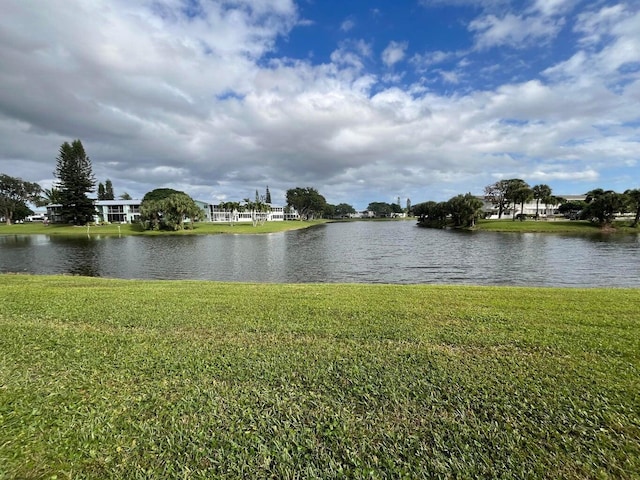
x: 394, y: 53
x: 352, y: 53
x: 513, y: 30
x: 561, y: 173
x: 593, y: 25
x: 449, y: 76
x: 196, y: 103
x: 422, y: 62
x: 549, y: 8
x: 603, y: 63
x: 487, y: 4
x: 347, y: 25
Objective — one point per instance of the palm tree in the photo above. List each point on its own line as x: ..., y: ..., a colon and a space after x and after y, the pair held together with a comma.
x: 552, y: 200
x: 231, y: 209
x: 50, y: 196
x: 521, y: 195
x: 516, y: 191
x: 540, y: 192
x: 602, y: 206
x: 634, y: 204
x: 464, y: 210
x: 258, y: 210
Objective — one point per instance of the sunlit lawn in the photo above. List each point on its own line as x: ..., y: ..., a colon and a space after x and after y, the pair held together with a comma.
x: 503, y: 225
x: 136, y: 229
x: 156, y: 379
x: 556, y: 226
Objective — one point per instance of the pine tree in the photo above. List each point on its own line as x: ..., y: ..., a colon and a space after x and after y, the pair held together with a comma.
x: 267, y: 197
x: 108, y: 190
x: 75, y: 181
x: 101, y: 192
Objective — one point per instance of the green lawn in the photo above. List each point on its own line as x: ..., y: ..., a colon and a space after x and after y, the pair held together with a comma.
x: 136, y: 229
x: 504, y: 225
x: 157, y: 379
x: 557, y: 226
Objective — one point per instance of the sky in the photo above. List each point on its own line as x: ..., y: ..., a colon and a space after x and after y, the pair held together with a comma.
x: 366, y: 101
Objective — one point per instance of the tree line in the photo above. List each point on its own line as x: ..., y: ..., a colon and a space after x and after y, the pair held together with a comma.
x: 458, y: 211
x: 602, y: 206
x: 161, y: 208
x: 168, y: 209
x: 599, y: 206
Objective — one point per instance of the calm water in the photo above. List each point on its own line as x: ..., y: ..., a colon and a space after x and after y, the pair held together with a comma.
x: 367, y: 252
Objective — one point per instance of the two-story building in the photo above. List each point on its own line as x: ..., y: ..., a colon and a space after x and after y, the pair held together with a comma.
x: 218, y: 214
x: 529, y: 208
x: 128, y: 211
x: 111, y: 211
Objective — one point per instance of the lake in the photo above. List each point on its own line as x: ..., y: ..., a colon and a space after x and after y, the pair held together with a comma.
x: 364, y: 252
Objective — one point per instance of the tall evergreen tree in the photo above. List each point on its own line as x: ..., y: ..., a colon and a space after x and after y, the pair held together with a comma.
x: 108, y: 190
x: 267, y: 197
x: 75, y: 181
x: 101, y: 192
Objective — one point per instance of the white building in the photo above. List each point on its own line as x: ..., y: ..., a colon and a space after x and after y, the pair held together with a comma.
x: 110, y: 211
x: 544, y: 211
x: 217, y: 214
x: 128, y: 211
x: 118, y: 211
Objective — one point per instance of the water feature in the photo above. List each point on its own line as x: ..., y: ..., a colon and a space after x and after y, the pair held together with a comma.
x: 365, y: 252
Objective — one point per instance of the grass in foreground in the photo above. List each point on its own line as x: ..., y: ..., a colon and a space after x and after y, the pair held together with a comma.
x: 37, y: 228
x: 128, y: 379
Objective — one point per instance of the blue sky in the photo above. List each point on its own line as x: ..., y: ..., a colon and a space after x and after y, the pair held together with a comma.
x: 365, y: 101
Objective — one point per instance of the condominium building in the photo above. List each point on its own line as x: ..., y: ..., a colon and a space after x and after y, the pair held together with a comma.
x: 111, y: 211
x: 219, y: 214
x: 530, y: 208
x: 128, y: 211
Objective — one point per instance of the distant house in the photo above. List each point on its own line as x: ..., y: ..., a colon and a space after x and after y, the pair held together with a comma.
x: 38, y: 216
x: 204, y: 206
x: 218, y: 214
x: 118, y: 211
x: 544, y: 211
x: 111, y: 211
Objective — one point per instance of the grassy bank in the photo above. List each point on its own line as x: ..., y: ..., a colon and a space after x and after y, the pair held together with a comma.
x: 129, y: 379
x: 558, y: 226
x: 504, y: 225
x: 37, y: 228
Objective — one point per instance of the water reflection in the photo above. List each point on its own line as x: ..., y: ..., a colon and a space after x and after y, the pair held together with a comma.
x: 367, y: 252
x: 77, y: 256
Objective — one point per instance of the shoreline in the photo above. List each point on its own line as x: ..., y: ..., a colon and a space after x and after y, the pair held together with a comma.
x: 134, y: 229
x: 580, y: 227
